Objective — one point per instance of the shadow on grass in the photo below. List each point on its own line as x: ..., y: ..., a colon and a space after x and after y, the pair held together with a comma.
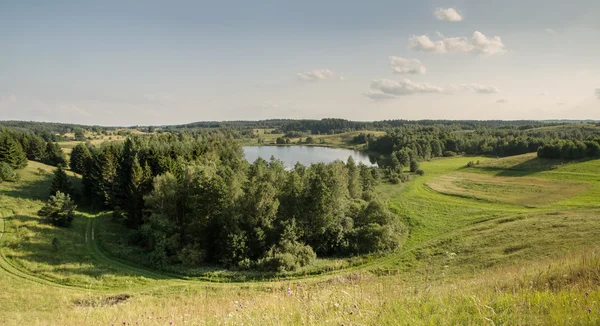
x: 522, y: 169
x: 33, y: 247
x: 34, y: 190
x: 38, y: 189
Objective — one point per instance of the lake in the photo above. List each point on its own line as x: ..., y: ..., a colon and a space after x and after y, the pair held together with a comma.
x: 306, y: 155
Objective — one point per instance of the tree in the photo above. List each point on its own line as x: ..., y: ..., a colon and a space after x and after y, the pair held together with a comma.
x: 79, y: 158
x: 354, y: 180
x: 61, y: 182
x: 7, y: 173
x: 54, y: 154
x: 414, y: 166
x: 59, y: 210
x: 11, y: 152
x: 35, y: 147
x: 134, y: 191
x: 79, y: 134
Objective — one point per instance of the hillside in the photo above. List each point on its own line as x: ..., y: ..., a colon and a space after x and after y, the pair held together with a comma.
x: 476, y: 259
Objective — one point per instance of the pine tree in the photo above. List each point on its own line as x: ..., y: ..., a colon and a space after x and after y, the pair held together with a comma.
x: 61, y: 182
x: 59, y: 210
x: 54, y: 154
x: 11, y: 152
x: 79, y: 158
x: 134, y: 192
x: 36, y: 148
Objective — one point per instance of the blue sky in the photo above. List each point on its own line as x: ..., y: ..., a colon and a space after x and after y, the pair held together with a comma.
x: 165, y: 62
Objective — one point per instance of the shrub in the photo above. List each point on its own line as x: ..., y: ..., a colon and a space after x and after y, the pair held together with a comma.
x: 449, y: 153
x: 59, y: 210
x: 375, y: 238
x: 420, y: 172
x: 414, y: 166
x: 7, y: 173
x: 288, y: 255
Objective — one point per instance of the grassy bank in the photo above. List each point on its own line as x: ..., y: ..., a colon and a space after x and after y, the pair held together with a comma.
x: 507, y: 241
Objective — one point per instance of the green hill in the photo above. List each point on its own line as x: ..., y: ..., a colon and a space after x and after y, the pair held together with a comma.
x: 506, y: 241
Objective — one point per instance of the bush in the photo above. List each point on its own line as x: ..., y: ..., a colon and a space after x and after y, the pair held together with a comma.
x: 375, y: 238
x: 59, y: 210
x: 414, y: 166
x: 289, y: 255
x: 420, y: 172
x: 449, y: 154
x: 7, y: 173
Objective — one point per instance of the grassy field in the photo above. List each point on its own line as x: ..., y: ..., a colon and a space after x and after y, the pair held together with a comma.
x: 511, y: 241
x: 524, y: 191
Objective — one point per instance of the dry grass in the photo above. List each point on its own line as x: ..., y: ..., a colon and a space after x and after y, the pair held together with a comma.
x: 526, y: 191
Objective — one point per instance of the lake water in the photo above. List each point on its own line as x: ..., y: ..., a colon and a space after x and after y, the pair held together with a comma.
x: 304, y: 154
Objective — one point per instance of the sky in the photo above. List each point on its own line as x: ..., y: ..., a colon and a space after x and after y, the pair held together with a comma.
x: 171, y: 62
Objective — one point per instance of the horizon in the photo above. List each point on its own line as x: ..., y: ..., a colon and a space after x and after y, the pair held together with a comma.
x: 548, y: 121
x: 158, y: 64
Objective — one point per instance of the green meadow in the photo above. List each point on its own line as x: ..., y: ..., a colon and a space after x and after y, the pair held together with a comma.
x: 509, y: 241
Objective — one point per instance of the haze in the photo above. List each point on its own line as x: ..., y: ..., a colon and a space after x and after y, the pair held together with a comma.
x: 151, y: 62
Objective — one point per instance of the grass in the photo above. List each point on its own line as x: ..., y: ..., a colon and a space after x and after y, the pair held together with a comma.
x: 487, y: 247
x: 524, y: 191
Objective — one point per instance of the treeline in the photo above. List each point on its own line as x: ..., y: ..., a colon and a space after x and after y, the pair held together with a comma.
x: 195, y: 200
x: 48, y: 130
x: 52, y: 131
x: 17, y: 147
x: 570, y: 149
x: 401, y: 146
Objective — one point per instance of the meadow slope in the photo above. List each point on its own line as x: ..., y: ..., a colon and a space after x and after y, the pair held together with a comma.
x: 506, y: 241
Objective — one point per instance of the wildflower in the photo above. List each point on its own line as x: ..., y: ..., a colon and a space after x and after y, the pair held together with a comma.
x: 587, y: 293
x: 289, y: 291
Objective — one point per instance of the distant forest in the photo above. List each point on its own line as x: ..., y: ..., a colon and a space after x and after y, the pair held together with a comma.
x: 323, y: 126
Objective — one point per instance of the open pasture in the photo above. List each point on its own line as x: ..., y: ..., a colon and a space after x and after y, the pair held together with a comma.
x: 526, y: 191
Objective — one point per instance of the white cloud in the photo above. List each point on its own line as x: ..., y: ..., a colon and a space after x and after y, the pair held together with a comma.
x: 449, y: 15
x: 478, y: 44
x: 482, y: 89
x: 315, y: 75
x: 382, y: 89
x: 501, y: 101
x: 406, y: 66
x: 551, y: 31
x: 385, y: 88
x: 378, y: 95
x: 342, y: 78
x: 476, y: 88
x: 598, y: 93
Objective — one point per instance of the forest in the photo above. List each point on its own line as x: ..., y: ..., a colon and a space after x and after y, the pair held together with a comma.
x: 190, y: 197
x: 195, y: 200
x: 413, y: 143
